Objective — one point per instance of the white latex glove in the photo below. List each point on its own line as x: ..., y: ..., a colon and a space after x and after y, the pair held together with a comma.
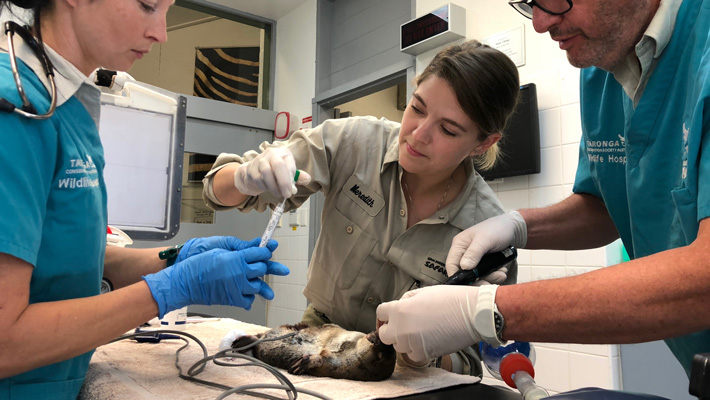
x: 496, y: 277
x: 273, y: 171
x: 438, y: 320
x: 491, y: 235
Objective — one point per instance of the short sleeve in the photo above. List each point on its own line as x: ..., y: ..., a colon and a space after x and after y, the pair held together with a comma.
x: 27, y: 158
x: 583, y: 181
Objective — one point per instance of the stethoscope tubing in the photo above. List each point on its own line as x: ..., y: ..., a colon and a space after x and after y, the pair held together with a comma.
x: 28, y: 110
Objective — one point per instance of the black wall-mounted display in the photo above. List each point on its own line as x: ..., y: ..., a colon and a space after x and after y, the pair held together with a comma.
x: 520, y: 146
x: 433, y: 30
x: 425, y: 27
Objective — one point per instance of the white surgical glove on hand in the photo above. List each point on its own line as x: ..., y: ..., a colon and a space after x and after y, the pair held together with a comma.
x: 438, y: 320
x: 491, y: 235
x: 273, y: 171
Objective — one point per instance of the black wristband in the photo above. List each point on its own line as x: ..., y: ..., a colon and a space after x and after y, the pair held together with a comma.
x: 170, y: 255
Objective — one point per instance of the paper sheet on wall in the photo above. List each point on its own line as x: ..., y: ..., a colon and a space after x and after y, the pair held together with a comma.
x: 511, y: 43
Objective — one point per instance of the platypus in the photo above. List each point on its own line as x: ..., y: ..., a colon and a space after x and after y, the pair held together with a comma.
x: 327, y: 350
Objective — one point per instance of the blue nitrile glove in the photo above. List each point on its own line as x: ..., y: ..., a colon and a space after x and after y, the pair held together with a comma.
x: 215, y: 277
x: 196, y: 246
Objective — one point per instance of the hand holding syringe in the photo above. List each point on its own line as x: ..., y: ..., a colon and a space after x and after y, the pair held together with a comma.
x: 275, y: 217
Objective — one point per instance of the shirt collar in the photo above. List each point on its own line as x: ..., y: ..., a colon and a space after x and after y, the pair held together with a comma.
x: 67, y: 77
x: 392, y: 154
x: 661, y: 27
x: 634, y: 71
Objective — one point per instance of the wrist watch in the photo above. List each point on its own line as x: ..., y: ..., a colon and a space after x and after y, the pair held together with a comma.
x: 487, y: 320
x: 498, y: 322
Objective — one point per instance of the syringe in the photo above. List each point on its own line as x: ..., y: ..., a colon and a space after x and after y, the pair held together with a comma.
x: 275, y: 217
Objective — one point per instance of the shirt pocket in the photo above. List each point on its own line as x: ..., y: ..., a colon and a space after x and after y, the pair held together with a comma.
x: 686, y: 217
x: 349, y: 247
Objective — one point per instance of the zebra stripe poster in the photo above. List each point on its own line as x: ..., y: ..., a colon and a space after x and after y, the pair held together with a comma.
x: 228, y: 74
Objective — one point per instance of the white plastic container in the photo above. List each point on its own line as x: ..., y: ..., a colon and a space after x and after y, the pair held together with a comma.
x: 175, y: 320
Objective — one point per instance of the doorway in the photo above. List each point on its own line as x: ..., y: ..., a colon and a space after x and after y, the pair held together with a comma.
x: 199, y: 38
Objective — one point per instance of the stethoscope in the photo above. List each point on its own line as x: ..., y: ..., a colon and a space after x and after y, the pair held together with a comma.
x: 28, y: 110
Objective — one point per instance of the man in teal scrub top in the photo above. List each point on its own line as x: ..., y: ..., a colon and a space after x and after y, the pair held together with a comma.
x: 643, y: 176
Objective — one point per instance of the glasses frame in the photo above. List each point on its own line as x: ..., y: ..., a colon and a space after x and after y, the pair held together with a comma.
x: 28, y: 110
x: 532, y: 3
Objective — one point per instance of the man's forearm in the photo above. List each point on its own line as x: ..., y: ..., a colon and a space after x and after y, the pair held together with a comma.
x: 579, y: 222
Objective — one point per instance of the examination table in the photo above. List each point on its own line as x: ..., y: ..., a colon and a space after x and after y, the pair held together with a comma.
x: 131, y: 370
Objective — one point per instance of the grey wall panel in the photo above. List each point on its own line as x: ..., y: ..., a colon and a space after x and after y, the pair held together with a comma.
x: 357, y: 37
x: 370, y: 46
x: 346, y: 9
x: 228, y: 113
x: 324, y: 21
x: 223, y: 138
x: 388, y: 13
x: 365, y: 68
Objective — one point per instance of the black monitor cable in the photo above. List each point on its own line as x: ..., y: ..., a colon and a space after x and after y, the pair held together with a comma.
x: 224, y: 358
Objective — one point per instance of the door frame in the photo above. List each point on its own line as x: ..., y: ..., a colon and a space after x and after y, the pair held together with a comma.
x: 322, y: 109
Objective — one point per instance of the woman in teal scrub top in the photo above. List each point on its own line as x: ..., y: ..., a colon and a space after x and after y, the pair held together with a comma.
x: 53, y: 201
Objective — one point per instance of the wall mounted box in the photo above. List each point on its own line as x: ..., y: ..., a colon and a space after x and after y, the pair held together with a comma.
x: 432, y: 30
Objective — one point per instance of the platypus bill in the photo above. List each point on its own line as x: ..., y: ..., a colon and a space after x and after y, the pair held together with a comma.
x: 326, y: 350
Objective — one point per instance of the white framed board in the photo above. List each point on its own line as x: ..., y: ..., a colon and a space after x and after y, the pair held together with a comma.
x: 143, y: 136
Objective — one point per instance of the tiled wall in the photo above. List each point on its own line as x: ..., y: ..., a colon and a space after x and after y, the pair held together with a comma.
x: 288, y: 305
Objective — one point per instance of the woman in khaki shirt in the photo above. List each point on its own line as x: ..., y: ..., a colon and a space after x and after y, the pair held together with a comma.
x: 395, y: 194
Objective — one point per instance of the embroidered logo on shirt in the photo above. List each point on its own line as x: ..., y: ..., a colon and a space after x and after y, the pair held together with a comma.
x: 87, y: 171
x: 607, y: 151
x: 433, y: 266
x: 364, y: 196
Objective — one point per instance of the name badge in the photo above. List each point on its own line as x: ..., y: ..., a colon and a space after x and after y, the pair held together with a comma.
x: 364, y: 196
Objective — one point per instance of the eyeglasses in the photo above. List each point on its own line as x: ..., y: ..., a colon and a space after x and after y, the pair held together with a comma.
x: 552, y: 7
x: 28, y: 110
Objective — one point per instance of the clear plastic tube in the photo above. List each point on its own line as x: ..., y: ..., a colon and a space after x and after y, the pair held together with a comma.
x: 527, y: 386
x: 273, y: 221
x: 275, y: 217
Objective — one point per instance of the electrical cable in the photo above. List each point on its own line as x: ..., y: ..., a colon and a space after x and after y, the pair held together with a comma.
x: 199, y: 366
